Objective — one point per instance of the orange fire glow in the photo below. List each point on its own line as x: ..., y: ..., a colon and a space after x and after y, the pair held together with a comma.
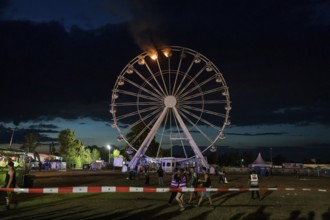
x: 153, y: 54
x: 167, y: 52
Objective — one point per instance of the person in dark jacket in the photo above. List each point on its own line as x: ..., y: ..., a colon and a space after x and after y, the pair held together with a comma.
x: 160, y: 174
x: 10, y: 182
x: 206, y: 182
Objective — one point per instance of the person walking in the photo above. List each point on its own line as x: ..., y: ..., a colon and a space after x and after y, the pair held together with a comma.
x: 160, y: 174
x: 182, y: 180
x: 254, y: 183
x: 206, y: 182
x: 10, y: 183
x: 192, y: 182
x: 174, y: 185
x: 222, y: 176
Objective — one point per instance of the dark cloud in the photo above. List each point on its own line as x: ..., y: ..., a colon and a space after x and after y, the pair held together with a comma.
x: 259, y: 134
x: 50, y: 72
x: 274, y: 56
x: 19, y: 134
x: 43, y: 126
x: 87, y: 14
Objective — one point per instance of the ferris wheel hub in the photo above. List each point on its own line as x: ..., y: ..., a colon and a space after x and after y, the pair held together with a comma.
x: 170, y: 101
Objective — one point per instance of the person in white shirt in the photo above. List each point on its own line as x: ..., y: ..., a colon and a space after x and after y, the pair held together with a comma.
x: 254, y: 183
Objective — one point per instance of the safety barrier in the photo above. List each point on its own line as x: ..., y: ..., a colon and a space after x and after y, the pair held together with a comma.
x: 123, y: 189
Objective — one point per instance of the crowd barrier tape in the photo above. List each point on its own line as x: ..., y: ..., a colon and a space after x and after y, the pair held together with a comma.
x: 123, y: 189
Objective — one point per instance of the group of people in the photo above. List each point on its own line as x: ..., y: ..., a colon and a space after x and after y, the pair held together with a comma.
x: 182, y: 178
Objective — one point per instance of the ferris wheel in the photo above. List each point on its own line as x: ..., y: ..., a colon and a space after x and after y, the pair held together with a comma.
x: 178, y: 96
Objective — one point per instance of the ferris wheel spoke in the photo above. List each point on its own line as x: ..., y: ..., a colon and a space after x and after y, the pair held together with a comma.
x: 210, y: 102
x: 161, y: 74
x: 132, y: 142
x: 191, y: 81
x: 150, y: 136
x: 196, y: 127
x: 171, y: 115
x: 178, y: 70
x: 162, y: 134
x: 184, y: 77
x: 137, y: 112
x: 180, y: 135
x: 117, y: 104
x: 134, y: 94
x: 146, y: 127
x: 169, y: 76
x: 204, y: 111
x: 202, y: 93
x: 197, y: 86
x: 155, y: 79
x: 201, y: 119
x: 146, y: 90
x: 142, y: 119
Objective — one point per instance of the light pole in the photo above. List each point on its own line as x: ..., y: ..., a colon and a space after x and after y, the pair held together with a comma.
x: 12, y: 137
x: 109, y: 148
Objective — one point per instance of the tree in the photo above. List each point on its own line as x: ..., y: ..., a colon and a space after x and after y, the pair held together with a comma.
x: 134, y: 134
x: 32, y: 141
x: 247, y: 158
x: 115, y: 153
x: 52, y: 149
x: 212, y: 158
x: 230, y: 159
x: 166, y: 152
x: 279, y: 159
x: 95, y: 154
x: 66, y: 138
x: 72, y: 150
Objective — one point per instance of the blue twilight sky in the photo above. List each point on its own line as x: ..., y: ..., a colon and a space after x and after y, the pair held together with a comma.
x: 60, y: 59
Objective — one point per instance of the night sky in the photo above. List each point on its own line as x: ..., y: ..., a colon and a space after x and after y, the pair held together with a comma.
x: 59, y: 60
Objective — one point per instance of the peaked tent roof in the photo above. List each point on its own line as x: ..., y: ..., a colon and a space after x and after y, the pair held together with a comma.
x: 259, y: 160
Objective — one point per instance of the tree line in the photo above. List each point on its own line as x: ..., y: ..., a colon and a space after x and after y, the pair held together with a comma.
x: 72, y: 150
x: 75, y: 154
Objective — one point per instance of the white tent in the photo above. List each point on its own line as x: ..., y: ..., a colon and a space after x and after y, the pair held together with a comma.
x: 260, y: 163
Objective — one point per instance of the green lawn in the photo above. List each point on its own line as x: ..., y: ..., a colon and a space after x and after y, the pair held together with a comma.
x: 292, y: 205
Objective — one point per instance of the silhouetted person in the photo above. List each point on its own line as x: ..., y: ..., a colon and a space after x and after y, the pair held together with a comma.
x: 206, y: 182
x: 10, y: 182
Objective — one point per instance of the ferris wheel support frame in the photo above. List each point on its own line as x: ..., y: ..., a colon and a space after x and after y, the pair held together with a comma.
x: 145, y: 144
x: 191, y: 140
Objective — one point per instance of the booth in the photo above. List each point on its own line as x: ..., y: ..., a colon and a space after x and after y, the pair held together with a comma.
x: 168, y: 164
x: 18, y: 158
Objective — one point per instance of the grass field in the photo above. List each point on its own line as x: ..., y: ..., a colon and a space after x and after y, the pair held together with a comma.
x: 291, y: 205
